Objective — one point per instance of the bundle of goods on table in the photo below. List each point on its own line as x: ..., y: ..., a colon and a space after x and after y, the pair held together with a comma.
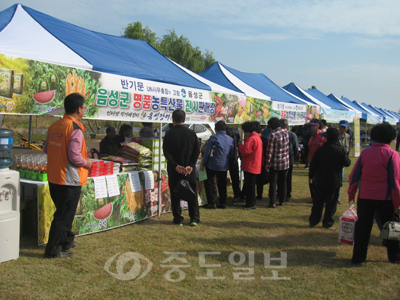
x: 133, y: 157
x: 33, y: 167
x: 101, y: 168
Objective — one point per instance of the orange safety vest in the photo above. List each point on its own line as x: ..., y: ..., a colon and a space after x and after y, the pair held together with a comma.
x: 59, y: 169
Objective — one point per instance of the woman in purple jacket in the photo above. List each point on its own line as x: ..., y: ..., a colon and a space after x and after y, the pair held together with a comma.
x: 377, y: 176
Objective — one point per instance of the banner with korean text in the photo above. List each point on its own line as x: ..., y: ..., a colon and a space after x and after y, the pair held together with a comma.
x: 235, y: 109
x: 34, y: 88
x: 334, y: 116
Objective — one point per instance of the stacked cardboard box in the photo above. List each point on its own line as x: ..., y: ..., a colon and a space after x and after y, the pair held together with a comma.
x: 156, y: 148
x: 108, y: 168
x: 101, y: 168
x: 97, y: 168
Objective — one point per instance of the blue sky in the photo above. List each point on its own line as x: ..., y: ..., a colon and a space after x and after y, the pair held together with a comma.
x: 348, y: 48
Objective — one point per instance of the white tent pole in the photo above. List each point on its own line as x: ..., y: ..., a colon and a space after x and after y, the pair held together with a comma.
x: 241, y: 172
x: 159, y: 169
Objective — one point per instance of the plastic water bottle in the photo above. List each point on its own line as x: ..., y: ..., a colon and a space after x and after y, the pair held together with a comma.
x: 6, y: 147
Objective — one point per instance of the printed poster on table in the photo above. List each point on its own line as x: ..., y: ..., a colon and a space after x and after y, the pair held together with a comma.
x: 100, y: 187
x: 135, y: 181
x: 112, y: 185
x: 94, y: 215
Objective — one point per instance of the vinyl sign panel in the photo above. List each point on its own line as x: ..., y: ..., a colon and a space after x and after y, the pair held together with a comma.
x: 34, y: 88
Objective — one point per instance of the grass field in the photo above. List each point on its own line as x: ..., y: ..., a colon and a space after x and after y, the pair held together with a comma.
x: 318, y: 266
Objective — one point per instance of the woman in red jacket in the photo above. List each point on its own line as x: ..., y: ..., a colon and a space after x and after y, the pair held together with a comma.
x: 316, y: 140
x: 251, y: 151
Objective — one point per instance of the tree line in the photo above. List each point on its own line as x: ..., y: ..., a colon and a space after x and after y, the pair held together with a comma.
x: 179, y: 49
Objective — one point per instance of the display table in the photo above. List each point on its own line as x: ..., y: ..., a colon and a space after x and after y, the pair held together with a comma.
x: 111, y: 201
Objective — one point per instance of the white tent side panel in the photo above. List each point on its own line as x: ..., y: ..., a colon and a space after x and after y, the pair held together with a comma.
x: 26, y: 38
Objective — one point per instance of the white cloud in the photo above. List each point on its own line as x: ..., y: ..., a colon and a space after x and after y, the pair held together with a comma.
x: 251, y: 36
x: 377, y: 42
x: 368, y: 17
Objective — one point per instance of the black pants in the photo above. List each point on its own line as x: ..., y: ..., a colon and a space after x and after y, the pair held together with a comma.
x: 65, y: 198
x: 249, y: 188
x: 260, y: 181
x: 312, y: 189
x: 289, y: 183
x: 277, y: 178
x: 398, y: 143
x: 327, y: 196
x: 365, y: 210
x: 221, y: 184
x: 193, y: 204
x: 304, y: 158
x: 234, y: 174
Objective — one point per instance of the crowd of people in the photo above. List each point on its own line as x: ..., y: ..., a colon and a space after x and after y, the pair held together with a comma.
x: 267, y: 156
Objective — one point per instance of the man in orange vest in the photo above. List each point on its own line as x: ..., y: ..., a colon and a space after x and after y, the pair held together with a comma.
x: 67, y: 171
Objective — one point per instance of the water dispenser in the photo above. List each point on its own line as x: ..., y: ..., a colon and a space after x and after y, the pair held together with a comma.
x: 9, y: 200
x: 6, y: 147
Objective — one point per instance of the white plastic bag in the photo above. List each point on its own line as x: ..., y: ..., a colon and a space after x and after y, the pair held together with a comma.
x: 347, y: 224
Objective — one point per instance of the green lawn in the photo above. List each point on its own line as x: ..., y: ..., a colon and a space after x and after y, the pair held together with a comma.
x: 318, y: 265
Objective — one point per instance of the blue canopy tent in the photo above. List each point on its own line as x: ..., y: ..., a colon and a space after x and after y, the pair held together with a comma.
x: 119, y: 65
x: 124, y: 79
x: 391, y: 114
x: 27, y: 33
x: 396, y: 114
x: 372, y: 118
x: 329, y: 114
x: 336, y: 112
x: 385, y: 117
x: 367, y: 106
x: 388, y: 118
x: 364, y: 113
x: 299, y: 92
x: 347, y: 103
x: 249, y: 83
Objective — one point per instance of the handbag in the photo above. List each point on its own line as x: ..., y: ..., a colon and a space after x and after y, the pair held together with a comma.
x: 184, y: 191
x: 391, y: 230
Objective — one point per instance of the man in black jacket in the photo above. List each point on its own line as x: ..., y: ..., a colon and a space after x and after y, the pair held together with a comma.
x: 326, y: 168
x: 181, y: 149
x: 109, y: 145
